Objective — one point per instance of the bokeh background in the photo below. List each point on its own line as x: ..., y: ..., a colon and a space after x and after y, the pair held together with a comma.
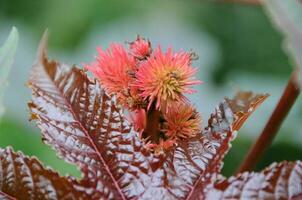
x: 238, y: 49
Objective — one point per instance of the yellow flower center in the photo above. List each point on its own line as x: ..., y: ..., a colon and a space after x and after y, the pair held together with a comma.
x: 169, y: 84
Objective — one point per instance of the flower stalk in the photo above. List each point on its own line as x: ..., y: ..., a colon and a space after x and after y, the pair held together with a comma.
x: 268, y: 134
x: 152, y: 129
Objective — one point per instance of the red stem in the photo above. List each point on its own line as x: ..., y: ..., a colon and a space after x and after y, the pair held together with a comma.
x: 152, y: 128
x: 284, y: 105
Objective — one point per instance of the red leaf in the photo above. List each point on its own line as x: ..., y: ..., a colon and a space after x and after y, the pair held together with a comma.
x: 208, y: 150
x: 25, y: 178
x: 86, y: 127
x: 278, y: 181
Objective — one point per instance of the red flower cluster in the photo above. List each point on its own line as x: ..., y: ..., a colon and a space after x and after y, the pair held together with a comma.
x: 144, y: 79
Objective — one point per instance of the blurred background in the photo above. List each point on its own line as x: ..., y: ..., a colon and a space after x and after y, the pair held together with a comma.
x: 238, y: 49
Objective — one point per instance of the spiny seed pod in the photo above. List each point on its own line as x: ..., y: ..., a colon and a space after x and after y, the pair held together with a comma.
x: 182, y: 121
x: 165, y: 77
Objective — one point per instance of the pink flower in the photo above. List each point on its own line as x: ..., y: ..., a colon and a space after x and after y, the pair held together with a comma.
x: 115, y: 69
x: 140, y: 48
x: 165, y: 77
x: 182, y: 121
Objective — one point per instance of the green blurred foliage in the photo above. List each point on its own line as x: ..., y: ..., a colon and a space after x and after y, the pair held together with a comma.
x: 248, y: 40
x: 7, y: 56
x: 68, y: 21
x: 287, y: 15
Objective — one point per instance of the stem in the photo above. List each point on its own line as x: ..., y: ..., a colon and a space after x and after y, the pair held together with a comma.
x: 284, y: 105
x: 152, y: 129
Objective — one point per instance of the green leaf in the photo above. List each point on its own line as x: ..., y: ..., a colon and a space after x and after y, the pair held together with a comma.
x: 287, y: 15
x: 7, y: 54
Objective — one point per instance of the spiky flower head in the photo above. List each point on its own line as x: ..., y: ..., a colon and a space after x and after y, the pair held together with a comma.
x: 165, y: 77
x: 140, y: 48
x: 114, y: 68
x: 182, y: 121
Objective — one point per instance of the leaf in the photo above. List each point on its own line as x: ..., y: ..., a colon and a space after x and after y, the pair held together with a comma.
x: 25, y: 178
x: 287, y: 15
x: 87, y: 128
x: 278, y: 181
x: 209, y: 149
x: 7, y: 54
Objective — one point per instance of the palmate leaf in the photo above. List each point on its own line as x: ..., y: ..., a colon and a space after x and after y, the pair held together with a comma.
x: 86, y: 127
x: 278, y: 181
x: 7, y: 53
x: 287, y: 15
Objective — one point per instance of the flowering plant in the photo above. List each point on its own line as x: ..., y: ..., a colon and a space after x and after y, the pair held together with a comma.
x: 160, y: 151
x: 151, y: 84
